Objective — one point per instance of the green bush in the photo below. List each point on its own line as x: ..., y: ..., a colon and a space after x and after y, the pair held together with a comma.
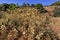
x: 57, y: 13
x: 42, y: 10
x: 12, y: 6
x: 5, y: 6
x: 38, y: 6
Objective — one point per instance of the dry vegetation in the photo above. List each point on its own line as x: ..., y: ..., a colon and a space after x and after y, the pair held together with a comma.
x: 25, y: 24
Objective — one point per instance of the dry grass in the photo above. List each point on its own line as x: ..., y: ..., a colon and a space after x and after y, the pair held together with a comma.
x: 25, y: 24
x: 55, y: 25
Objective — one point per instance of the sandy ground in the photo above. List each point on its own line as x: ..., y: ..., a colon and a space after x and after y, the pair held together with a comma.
x: 55, y: 25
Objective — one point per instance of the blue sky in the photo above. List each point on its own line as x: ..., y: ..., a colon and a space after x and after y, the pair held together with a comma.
x: 44, y: 2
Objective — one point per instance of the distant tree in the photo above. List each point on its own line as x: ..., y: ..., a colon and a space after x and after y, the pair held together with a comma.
x: 17, y: 5
x: 33, y: 5
x: 38, y: 6
x: 25, y: 5
x: 12, y: 6
x: 28, y: 4
x: 4, y: 6
x: 56, y: 3
x: 41, y: 9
